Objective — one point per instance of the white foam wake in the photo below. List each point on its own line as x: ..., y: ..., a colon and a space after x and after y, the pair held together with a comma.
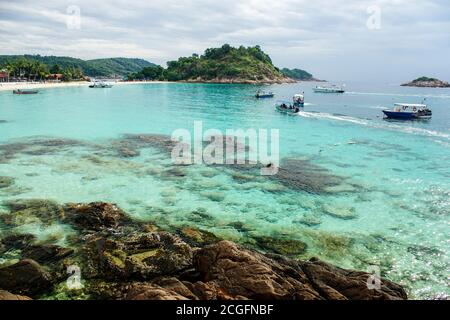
x: 421, y: 96
x: 374, y: 124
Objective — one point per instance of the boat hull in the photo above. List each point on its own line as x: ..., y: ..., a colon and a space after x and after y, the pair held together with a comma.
x: 25, y: 92
x: 400, y: 115
x: 328, y: 91
x: 264, y: 96
x: 101, y: 87
x: 288, y: 111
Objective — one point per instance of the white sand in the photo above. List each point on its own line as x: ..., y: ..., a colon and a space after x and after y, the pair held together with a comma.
x: 9, y: 86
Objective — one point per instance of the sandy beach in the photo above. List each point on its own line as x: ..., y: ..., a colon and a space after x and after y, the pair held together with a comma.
x: 9, y: 86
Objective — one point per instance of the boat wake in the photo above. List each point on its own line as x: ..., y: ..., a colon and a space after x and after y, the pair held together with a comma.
x: 375, y: 124
x: 438, y: 96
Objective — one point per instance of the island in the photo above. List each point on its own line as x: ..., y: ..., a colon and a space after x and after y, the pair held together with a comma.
x: 426, y: 82
x: 299, y: 75
x: 226, y: 64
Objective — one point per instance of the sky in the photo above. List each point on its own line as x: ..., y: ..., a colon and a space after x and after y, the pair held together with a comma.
x: 387, y: 41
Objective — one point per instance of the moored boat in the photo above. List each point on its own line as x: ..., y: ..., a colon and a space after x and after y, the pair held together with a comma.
x: 18, y: 91
x: 409, y: 111
x: 101, y: 85
x: 264, y: 95
x: 330, y: 89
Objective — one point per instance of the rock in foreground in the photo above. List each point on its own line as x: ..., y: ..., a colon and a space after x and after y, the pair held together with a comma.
x: 230, y: 272
x: 25, y: 277
x: 120, y: 259
x: 5, y: 295
x: 94, y: 216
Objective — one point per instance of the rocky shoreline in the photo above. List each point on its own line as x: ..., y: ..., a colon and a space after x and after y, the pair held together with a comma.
x: 121, y: 259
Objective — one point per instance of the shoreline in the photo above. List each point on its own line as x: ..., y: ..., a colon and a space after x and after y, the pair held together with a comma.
x: 10, y: 86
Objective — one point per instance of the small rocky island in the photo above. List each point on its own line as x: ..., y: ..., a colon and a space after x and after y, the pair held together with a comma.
x: 121, y: 259
x: 425, y: 82
x: 226, y: 64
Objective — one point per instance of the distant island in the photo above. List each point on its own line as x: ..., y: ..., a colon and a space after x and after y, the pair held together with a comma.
x: 425, y: 82
x: 37, y: 67
x: 223, y: 65
x: 298, y: 74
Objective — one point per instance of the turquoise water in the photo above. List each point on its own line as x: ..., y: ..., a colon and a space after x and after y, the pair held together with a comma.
x: 390, y: 205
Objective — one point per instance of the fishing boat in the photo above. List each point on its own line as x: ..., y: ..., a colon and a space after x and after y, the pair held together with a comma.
x: 409, y: 111
x: 264, y: 95
x: 287, y: 107
x: 330, y: 89
x: 25, y: 91
x: 101, y: 85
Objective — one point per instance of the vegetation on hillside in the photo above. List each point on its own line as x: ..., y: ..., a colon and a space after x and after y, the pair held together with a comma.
x: 93, y: 68
x: 424, y: 79
x: 217, y: 65
x: 297, y: 74
x: 224, y: 64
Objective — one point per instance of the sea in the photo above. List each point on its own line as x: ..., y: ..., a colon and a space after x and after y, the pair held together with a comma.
x: 359, y: 191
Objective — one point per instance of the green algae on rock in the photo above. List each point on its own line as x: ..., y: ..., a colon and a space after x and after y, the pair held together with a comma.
x: 6, y: 182
x: 197, y: 237
x: 24, y: 211
x: 287, y: 247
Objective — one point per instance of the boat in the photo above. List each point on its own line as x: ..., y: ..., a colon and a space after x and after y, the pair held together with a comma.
x: 286, y: 107
x: 263, y: 95
x: 409, y: 111
x: 100, y: 85
x: 299, y: 100
x: 25, y: 91
x: 330, y: 89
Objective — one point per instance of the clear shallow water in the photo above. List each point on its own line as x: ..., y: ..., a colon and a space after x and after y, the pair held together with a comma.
x: 390, y: 208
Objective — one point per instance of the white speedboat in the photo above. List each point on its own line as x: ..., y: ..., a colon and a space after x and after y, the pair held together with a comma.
x: 329, y: 89
x: 100, y: 85
x: 299, y: 100
x: 264, y: 95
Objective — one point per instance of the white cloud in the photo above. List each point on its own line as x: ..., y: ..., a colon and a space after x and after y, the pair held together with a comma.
x: 327, y: 38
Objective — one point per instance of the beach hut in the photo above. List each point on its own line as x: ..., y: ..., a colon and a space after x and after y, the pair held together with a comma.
x: 4, y: 76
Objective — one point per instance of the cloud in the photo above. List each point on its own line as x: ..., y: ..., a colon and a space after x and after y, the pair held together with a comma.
x: 330, y: 39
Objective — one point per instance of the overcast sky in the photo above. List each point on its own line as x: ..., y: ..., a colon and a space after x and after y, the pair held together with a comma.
x: 342, y: 40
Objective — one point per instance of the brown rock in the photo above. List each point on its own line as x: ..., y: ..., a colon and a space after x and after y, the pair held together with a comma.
x: 24, y: 277
x: 94, y: 216
x: 140, y: 256
x: 46, y: 253
x: 231, y: 272
x: 197, y: 237
x: 18, y: 241
x: 239, y: 272
x: 163, y: 289
x: 336, y: 283
x: 5, y: 295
